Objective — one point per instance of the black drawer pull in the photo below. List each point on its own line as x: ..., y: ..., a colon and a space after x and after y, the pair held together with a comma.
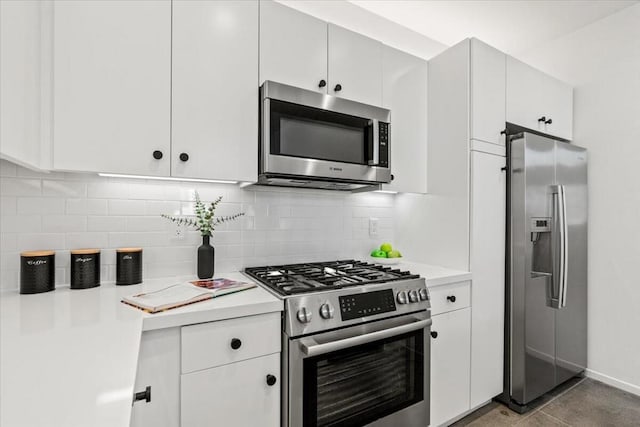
x: 157, y: 154
x: 236, y: 343
x: 271, y: 380
x: 143, y: 395
x: 451, y: 298
x: 434, y: 334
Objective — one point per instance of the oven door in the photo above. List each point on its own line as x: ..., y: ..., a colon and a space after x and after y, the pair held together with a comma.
x: 373, y: 374
x: 310, y: 135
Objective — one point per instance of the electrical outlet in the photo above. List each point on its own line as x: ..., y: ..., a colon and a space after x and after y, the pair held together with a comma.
x: 178, y: 232
x: 373, y: 227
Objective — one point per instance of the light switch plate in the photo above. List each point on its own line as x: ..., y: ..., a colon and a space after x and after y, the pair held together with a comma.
x: 373, y: 227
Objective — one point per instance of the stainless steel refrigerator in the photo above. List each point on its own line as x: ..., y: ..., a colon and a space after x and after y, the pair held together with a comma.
x: 546, y: 307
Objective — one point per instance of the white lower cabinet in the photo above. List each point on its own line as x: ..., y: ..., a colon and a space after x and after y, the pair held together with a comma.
x: 224, y: 373
x: 158, y: 369
x: 450, y: 358
x: 242, y: 394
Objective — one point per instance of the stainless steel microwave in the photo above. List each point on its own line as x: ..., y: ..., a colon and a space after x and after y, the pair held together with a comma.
x: 315, y: 140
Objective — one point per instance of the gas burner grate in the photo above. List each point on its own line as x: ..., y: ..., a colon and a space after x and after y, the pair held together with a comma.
x: 295, y: 279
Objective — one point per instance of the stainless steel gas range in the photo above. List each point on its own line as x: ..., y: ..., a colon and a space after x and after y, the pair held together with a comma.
x: 355, y: 344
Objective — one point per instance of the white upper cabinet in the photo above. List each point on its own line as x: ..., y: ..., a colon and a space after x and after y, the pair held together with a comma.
x: 355, y: 66
x: 20, y: 66
x: 538, y: 101
x: 293, y: 47
x: 112, y: 84
x: 487, y: 92
x: 215, y: 90
x: 404, y: 92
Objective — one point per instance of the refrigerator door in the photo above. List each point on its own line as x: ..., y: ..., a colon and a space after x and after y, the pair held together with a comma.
x: 571, y: 318
x: 534, y: 286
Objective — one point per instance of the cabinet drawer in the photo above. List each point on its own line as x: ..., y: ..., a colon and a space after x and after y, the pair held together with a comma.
x: 450, y: 297
x: 208, y: 345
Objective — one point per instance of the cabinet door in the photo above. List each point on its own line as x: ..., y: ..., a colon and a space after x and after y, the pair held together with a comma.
x: 293, y: 47
x: 20, y: 62
x: 404, y: 92
x: 236, y: 395
x: 112, y: 88
x: 487, y: 92
x: 215, y: 90
x: 488, y: 204
x: 355, y: 64
x: 559, y: 99
x: 531, y: 95
x: 450, y: 365
x: 158, y: 368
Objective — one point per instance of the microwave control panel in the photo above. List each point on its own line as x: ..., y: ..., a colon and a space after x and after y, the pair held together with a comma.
x: 366, y: 304
x: 383, y: 134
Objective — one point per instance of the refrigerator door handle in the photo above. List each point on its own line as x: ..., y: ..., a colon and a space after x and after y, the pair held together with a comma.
x: 564, y: 247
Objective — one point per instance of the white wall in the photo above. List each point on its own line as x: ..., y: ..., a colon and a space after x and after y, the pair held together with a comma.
x: 63, y: 211
x: 602, y: 61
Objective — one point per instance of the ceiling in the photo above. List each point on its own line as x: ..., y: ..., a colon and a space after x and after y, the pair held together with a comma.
x: 511, y: 26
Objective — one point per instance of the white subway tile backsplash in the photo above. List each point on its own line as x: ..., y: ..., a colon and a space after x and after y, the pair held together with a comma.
x: 127, y: 207
x: 8, y: 205
x: 63, y: 223
x: 87, y: 240
x: 52, y: 188
x: 40, y: 205
x: 106, y: 223
x: 64, y: 211
x: 28, y: 241
x: 20, y: 187
x: 20, y: 223
x: 86, y: 207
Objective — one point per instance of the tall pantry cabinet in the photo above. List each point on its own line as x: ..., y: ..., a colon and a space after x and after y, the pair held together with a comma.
x: 466, y: 154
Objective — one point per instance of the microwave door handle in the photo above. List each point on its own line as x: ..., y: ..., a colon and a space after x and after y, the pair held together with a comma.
x: 311, y: 348
x: 374, y: 137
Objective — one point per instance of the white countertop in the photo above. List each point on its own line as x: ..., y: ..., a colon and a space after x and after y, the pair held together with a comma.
x: 69, y: 357
x: 433, y: 274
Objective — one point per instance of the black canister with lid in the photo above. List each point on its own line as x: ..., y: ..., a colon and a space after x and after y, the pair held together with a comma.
x: 85, y: 268
x: 37, y: 272
x: 128, y: 266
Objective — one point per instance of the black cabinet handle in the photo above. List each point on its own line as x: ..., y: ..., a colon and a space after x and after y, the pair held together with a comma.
x: 236, y: 343
x: 392, y: 177
x: 434, y: 334
x: 542, y: 119
x: 451, y: 298
x: 548, y: 122
x: 271, y: 380
x: 322, y: 83
x: 157, y: 154
x: 338, y: 87
x: 184, y: 157
x: 143, y: 395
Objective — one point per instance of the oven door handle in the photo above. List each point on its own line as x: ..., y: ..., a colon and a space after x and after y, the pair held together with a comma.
x: 311, y: 348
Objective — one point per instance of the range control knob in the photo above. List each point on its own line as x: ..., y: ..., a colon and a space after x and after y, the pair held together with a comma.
x: 413, y: 296
x: 402, y: 297
x: 304, y: 315
x: 424, y: 294
x: 326, y: 311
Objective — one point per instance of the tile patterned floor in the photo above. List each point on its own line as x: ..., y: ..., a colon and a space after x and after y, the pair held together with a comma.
x: 581, y: 403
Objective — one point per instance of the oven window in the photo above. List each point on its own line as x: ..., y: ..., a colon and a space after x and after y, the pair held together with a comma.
x: 358, y: 385
x: 311, y: 133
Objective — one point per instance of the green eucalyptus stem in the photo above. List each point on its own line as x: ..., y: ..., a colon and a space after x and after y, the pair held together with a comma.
x: 204, y: 219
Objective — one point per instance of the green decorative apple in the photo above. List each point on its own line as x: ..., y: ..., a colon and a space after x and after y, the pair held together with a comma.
x: 394, y: 254
x: 378, y: 254
x: 386, y: 247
